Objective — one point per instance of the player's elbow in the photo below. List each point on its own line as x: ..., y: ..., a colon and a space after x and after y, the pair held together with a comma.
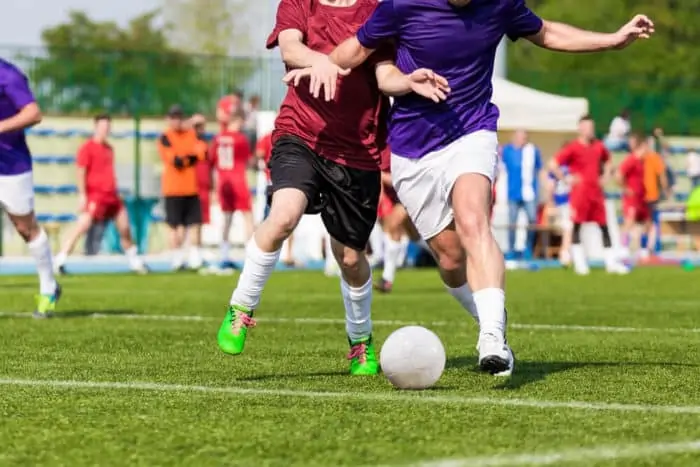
x: 33, y: 114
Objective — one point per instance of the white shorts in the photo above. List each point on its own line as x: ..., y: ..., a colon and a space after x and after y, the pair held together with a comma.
x: 17, y: 193
x: 424, y: 185
x: 564, y: 212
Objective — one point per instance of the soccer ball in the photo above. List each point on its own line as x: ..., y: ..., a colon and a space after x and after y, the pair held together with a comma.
x: 412, y: 358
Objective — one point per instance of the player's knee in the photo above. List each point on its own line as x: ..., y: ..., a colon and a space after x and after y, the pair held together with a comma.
x: 282, y: 223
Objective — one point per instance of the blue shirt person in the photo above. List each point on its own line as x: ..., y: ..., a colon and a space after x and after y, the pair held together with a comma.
x: 522, y: 161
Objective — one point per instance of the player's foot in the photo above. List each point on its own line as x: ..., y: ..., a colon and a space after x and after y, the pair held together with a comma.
x: 140, y: 269
x: 581, y: 270
x: 618, y: 269
x: 363, y: 357
x: 234, y: 329
x: 46, y: 304
x: 383, y: 286
x: 495, y: 356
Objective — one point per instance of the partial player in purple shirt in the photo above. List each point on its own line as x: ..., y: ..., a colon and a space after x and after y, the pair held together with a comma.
x: 18, y: 111
x: 444, y: 154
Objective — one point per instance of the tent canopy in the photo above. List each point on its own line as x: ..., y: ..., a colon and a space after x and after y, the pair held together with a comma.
x: 528, y: 109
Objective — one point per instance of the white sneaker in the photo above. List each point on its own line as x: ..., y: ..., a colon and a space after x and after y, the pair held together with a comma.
x: 509, y: 370
x: 582, y: 271
x: 495, y: 356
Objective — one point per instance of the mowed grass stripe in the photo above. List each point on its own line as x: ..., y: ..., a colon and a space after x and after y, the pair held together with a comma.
x: 398, y: 323
x: 424, y: 397
x: 600, y: 453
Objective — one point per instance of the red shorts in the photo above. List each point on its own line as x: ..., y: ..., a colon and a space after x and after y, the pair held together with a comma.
x: 234, y: 196
x: 636, y: 208
x: 204, y: 203
x: 103, y: 208
x: 588, y: 207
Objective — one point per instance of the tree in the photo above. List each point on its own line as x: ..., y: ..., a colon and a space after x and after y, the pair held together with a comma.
x: 92, y: 65
x: 655, y: 78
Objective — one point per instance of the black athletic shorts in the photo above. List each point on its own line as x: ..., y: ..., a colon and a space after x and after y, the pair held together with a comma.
x: 182, y: 211
x: 346, y: 198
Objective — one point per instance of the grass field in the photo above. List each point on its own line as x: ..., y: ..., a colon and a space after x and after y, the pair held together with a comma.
x: 607, y: 375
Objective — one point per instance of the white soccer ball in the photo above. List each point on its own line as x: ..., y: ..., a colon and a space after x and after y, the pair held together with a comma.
x: 413, y: 357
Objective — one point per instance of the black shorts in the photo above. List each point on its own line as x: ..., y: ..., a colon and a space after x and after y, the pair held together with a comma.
x: 183, y: 211
x: 347, y: 198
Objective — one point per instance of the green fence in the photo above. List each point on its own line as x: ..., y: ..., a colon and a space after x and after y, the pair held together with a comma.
x: 71, y: 81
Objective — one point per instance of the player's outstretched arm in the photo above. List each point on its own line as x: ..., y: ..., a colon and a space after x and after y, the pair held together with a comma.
x: 566, y: 38
x: 393, y: 82
x: 28, y: 116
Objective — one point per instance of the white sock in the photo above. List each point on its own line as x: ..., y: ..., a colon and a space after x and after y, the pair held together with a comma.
x: 257, y: 268
x: 403, y: 251
x: 60, y: 259
x: 376, y: 241
x: 224, y: 250
x: 132, y: 255
x: 392, y: 251
x: 41, y: 251
x: 490, y: 306
x: 578, y: 257
x: 465, y: 298
x: 195, y: 257
x: 358, y: 316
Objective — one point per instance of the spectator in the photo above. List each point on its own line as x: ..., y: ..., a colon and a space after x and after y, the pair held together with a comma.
x: 656, y: 186
x: 619, y: 132
x: 250, y: 127
x: 523, y: 163
x: 227, y: 106
x: 693, y: 168
x: 181, y: 149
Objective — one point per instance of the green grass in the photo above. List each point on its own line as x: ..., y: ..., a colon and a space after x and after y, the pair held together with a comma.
x: 108, y: 426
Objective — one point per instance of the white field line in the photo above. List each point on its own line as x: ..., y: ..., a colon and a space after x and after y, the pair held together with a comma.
x: 587, y: 455
x: 380, y: 322
x: 424, y: 397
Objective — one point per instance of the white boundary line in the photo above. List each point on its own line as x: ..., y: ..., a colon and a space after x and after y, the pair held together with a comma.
x: 600, y: 453
x: 398, y: 323
x: 390, y: 396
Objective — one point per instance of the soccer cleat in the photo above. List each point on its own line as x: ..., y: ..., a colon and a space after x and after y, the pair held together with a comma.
x: 46, y: 304
x: 495, y: 356
x: 383, y: 286
x: 363, y: 357
x: 511, y: 364
x: 234, y: 329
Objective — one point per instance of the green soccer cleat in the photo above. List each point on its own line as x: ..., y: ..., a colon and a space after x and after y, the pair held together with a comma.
x: 363, y: 357
x: 46, y: 304
x: 234, y: 329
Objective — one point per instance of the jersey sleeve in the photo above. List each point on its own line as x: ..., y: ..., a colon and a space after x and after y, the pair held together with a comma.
x: 291, y: 14
x: 380, y: 27
x: 521, y: 21
x: 385, y: 53
x: 82, y: 159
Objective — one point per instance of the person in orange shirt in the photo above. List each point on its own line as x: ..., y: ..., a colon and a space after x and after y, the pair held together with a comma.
x: 181, y: 148
x: 655, y: 185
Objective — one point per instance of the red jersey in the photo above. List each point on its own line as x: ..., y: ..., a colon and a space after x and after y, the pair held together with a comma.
x: 632, y: 171
x: 264, y: 147
x: 229, y: 154
x: 585, y: 162
x: 203, y: 169
x: 98, y: 161
x: 350, y: 130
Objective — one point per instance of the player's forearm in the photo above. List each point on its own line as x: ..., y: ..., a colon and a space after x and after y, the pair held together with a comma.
x: 556, y: 170
x: 392, y: 81
x: 29, y: 116
x: 350, y: 54
x: 566, y: 38
x: 295, y: 54
x: 80, y: 183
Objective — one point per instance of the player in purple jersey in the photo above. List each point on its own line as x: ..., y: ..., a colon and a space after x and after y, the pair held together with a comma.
x: 18, y: 111
x: 444, y: 154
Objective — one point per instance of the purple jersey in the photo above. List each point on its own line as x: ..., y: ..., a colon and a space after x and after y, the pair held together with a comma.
x: 457, y: 43
x: 15, y: 94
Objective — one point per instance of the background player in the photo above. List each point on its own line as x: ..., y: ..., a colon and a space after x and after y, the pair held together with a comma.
x: 587, y: 159
x: 99, y: 196
x: 19, y: 111
x: 230, y: 154
x: 437, y: 183
x: 557, y: 192
x: 630, y: 176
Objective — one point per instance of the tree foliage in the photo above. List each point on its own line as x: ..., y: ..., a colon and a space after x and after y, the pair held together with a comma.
x: 655, y: 79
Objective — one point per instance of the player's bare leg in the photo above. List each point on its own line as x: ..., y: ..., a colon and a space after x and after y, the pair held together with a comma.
x: 262, y: 255
x: 80, y: 228
x: 38, y: 242
x: 471, y: 202
x: 566, y: 234
x: 121, y: 221
x: 225, y: 245
x: 249, y: 224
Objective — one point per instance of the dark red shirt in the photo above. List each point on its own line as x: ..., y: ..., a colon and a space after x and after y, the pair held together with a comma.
x: 632, y: 171
x: 350, y: 130
x: 585, y: 163
x: 98, y: 161
x: 229, y: 154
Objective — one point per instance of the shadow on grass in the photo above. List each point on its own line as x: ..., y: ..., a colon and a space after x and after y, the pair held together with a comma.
x: 92, y: 313
x: 527, y: 372
x: 278, y: 376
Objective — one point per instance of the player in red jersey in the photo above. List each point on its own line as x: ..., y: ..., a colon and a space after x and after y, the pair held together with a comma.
x: 230, y: 154
x: 635, y: 210
x: 99, y: 196
x: 587, y: 160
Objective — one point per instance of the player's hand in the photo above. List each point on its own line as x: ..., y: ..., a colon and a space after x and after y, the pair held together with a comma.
x: 191, y: 160
x: 428, y: 84
x: 640, y: 27
x: 322, y: 75
x: 179, y: 162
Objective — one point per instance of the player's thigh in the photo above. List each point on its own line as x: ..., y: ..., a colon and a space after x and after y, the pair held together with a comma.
x: 419, y: 186
x: 17, y: 194
x: 469, y: 171
x: 597, y: 212
x: 352, y: 199
x: 243, y: 201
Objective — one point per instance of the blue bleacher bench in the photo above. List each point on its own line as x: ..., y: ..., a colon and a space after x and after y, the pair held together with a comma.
x: 55, y: 190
